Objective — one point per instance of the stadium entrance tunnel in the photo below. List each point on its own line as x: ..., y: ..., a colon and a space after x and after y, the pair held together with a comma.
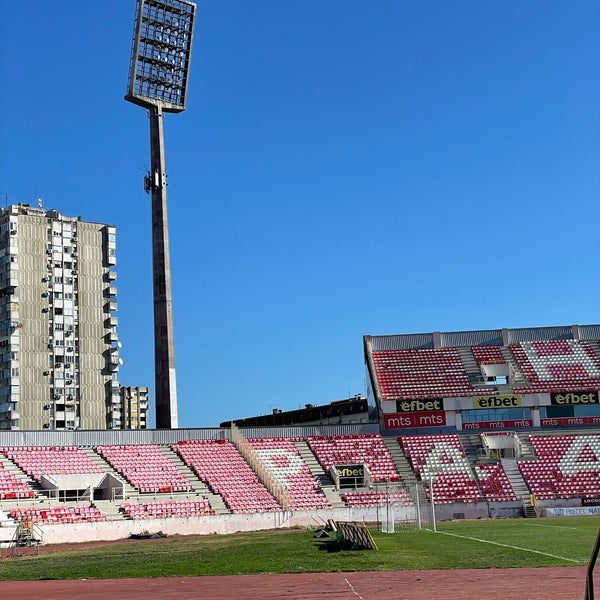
x: 82, y: 487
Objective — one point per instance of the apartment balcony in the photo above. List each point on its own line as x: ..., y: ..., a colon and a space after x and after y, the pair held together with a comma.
x: 111, y: 322
x: 111, y: 337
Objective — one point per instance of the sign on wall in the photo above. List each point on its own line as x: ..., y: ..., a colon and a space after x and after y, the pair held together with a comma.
x: 418, y: 419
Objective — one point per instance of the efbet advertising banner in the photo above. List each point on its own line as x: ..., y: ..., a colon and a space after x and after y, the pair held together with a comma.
x: 350, y: 475
x: 506, y: 401
x: 574, y: 398
x: 408, y: 406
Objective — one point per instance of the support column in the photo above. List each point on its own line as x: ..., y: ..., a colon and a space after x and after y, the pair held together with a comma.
x: 165, y: 388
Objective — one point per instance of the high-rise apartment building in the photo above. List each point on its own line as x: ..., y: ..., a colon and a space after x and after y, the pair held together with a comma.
x: 135, y: 407
x: 59, y: 347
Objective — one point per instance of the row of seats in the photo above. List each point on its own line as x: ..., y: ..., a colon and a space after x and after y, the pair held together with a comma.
x: 80, y: 513
x: 167, y: 509
x: 374, y: 498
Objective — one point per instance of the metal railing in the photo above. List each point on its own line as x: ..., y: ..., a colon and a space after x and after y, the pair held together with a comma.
x: 589, y: 580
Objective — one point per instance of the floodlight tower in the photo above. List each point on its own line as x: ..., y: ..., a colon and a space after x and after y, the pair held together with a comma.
x: 158, y: 77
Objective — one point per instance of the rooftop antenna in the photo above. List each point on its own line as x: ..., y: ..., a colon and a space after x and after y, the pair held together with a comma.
x: 158, y: 77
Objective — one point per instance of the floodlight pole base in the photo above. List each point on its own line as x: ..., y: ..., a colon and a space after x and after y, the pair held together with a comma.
x: 164, y: 342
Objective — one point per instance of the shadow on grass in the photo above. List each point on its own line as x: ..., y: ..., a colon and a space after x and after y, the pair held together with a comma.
x: 333, y: 546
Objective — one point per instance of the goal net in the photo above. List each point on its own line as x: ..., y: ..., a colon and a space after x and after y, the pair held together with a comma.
x: 401, y: 508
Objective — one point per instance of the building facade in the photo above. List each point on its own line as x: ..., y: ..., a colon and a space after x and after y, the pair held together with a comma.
x: 134, y: 401
x: 349, y: 411
x: 59, y: 347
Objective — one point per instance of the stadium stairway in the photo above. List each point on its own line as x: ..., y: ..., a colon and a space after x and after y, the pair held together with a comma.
x: 518, y: 379
x: 199, y: 488
x: 109, y: 509
x: 471, y: 443
x: 525, y: 447
x: 471, y: 367
x: 516, y: 479
x: 401, y: 463
x: 33, y: 485
x: 316, y: 470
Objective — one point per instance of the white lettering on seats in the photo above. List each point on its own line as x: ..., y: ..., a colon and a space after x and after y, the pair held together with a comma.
x: 582, y: 455
x: 280, y: 463
x: 544, y: 363
x: 444, y: 458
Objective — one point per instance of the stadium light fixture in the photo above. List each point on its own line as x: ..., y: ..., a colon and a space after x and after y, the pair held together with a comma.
x: 161, y: 53
x: 158, y: 78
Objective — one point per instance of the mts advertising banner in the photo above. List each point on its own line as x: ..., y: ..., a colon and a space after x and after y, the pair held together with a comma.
x: 574, y: 398
x: 560, y: 421
x: 409, y: 420
x: 506, y: 401
x: 515, y: 424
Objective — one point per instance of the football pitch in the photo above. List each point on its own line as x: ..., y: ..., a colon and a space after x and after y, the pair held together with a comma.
x: 481, y: 544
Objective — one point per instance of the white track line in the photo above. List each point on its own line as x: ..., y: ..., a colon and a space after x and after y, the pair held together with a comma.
x: 353, y: 590
x: 466, y: 537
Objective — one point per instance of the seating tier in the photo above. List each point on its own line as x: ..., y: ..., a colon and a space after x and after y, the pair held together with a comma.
x: 494, y: 482
x: 36, y: 461
x: 426, y: 373
x: 367, y: 449
x: 145, y: 467
x: 557, y: 366
x: 441, y: 459
x: 12, y: 487
x: 222, y: 467
x: 567, y: 467
x: 283, y: 462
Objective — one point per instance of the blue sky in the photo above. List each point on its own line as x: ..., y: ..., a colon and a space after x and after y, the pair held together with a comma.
x: 342, y: 169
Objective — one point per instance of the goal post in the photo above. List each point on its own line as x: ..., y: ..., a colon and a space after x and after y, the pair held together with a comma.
x: 402, y: 508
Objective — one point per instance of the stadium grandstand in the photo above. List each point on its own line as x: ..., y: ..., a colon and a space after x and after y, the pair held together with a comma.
x: 495, y: 423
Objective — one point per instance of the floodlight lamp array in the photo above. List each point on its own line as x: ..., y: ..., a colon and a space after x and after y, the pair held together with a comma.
x: 160, y: 57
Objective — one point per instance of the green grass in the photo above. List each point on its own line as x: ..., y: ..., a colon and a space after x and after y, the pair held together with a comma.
x: 298, y: 551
